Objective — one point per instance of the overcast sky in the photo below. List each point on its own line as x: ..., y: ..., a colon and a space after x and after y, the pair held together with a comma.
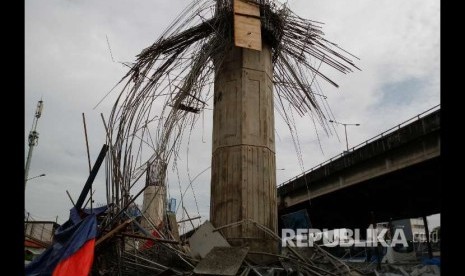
x: 68, y: 64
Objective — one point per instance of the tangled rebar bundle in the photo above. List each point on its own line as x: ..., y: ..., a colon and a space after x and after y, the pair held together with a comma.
x: 171, y: 82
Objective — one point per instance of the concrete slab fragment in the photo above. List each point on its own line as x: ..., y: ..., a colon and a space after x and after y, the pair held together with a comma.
x: 204, y: 240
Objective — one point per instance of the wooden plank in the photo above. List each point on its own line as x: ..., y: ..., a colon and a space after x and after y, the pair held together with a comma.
x: 247, y: 25
x: 247, y: 32
x: 114, y: 231
x: 246, y: 8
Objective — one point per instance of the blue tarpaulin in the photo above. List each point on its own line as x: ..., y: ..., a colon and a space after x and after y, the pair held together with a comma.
x: 68, y: 240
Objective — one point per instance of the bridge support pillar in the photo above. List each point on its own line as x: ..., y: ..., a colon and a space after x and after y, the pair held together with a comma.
x: 243, y: 183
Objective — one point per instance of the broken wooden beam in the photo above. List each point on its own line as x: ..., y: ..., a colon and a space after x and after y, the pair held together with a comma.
x: 114, y: 231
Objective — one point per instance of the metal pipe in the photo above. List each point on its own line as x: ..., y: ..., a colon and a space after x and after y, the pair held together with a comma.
x: 70, y: 198
x: 87, y: 142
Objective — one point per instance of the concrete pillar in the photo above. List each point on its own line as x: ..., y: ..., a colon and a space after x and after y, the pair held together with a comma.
x: 243, y: 183
x: 153, y: 206
x: 154, y: 202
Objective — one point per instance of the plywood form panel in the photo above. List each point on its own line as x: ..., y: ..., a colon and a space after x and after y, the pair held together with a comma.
x: 246, y: 8
x: 247, y: 32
